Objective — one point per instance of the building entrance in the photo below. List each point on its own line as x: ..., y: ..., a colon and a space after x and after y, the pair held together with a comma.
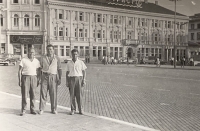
x: 130, y: 53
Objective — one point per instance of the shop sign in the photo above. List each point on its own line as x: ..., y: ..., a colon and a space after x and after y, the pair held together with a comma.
x: 26, y: 39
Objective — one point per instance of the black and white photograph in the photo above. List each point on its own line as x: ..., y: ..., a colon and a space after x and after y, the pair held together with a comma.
x: 99, y: 65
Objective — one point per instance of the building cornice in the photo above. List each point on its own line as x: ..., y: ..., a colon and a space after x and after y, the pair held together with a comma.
x: 118, y: 10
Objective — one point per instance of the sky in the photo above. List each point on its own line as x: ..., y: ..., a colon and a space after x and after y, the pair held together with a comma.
x: 185, y: 7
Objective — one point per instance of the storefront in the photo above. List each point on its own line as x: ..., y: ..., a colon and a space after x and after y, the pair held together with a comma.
x: 21, y: 44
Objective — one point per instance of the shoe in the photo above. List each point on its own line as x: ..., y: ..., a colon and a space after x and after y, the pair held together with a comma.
x: 33, y: 112
x: 54, y: 112
x: 72, y: 113
x: 41, y: 112
x: 23, y: 113
x: 81, y: 113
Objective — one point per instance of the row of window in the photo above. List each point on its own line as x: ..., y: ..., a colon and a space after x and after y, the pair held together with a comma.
x: 115, y: 35
x: 193, y: 36
x: 114, y: 19
x: 23, y: 1
x: 194, y: 27
x: 26, y: 20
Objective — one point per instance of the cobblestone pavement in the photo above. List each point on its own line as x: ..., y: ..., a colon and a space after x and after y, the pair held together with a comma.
x: 161, y: 98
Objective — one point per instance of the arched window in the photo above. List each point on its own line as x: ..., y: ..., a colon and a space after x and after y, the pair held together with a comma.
x: 1, y: 20
x: 37, y: 20
x: 26, y: 20
x: 16, y: 20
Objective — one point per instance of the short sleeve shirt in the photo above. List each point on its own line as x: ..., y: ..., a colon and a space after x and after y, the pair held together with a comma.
x: 75, y: 69
x: 29, y: 67
x: 50, y: 67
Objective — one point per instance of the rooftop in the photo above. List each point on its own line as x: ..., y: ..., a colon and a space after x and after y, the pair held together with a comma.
x: 146, y: 6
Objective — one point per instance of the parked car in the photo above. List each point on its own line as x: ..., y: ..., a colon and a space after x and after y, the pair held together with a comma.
x: 124, y: 61
x: 148, y: 60
x: 7, y: 59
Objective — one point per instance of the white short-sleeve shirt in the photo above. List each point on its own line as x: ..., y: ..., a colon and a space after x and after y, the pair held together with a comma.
x: 75, y: 69
x: 29, y: 67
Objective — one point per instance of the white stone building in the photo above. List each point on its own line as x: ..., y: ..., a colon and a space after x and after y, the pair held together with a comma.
x: 115, y: 28
x: 23, y: 25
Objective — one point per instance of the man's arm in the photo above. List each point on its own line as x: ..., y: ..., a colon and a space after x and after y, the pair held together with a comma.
x: 84, y: 78
x: 59, y: 76
x: 20, y: 75
x: 67, y: 78
x: 38, y: 75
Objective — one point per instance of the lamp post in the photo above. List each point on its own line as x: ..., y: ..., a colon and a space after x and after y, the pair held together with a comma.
x: 174, y: 31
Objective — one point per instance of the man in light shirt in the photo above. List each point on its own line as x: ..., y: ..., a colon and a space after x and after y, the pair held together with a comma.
x: 75, y: 80
x: 51, y: 78
x: 28, y: 75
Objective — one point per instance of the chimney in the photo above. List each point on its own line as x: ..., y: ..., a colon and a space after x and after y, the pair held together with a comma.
x: 156, y: 2
x: 145, y: 1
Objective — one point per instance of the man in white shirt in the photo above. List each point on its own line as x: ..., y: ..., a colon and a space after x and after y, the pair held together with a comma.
x: 75, y: 80
x: 28, y: 75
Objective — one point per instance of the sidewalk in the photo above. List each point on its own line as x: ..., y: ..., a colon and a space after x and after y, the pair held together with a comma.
x: 10, y: 119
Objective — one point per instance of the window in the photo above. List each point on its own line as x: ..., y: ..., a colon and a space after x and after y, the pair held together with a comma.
x: 16, y: 20
x: 103, y: 33
x: 3, y: 48
x: 116, y: 19
x: 169, y: 24
x: 37, y: 1
x: 81, y: 33
x: 86, y: 33
x: 111, y: 19
x: 198, y: 35
x: 192, y: 36
x: 198, y: 26
x: 129, y: 21
x: 94, y: 17
x: 75, y: 32
x: 37, y: 20
x: 81, y: 51
x: 138, y: 21
x: 156, y: 23
x: 115, y: 34
x: 111, y: 35
x: 15, y: 1
x: 60, y: 31
x: 67, y: 50
x: 156, y: 37
x: 55, y: 31
x: 60, y: 14
x: 143, y: 22
x: 104, y: 18
x: 1, y: 20
x: 26, y: 20
x: 81, y: 16
x: 94, y: 33
x: 61, y: 50
x: 192, y: 26
x: 129, y: 35
x: 99, y: 34
x: 25, y: 1
x: 99, y: 18
x: 120, y: 35
x: 66, y: 31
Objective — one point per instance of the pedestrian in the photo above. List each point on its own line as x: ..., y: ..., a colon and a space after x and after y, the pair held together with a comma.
x: 51, y: 78
x: 106, y: 60
x: 76, y: 80
x: 112, y: 60
x: 115, y: 61
x: 182, y: 62
x: 157, y: 62
x: 127, y: 60
x: 136, y: 61
x: 29, y: 78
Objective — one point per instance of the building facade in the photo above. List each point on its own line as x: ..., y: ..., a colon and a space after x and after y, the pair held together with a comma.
x: 23, y: 25
x: 194, y: 36
x: 119, y: 28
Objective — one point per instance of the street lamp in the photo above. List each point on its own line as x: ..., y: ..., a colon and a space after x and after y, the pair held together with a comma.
x: 174, y: 31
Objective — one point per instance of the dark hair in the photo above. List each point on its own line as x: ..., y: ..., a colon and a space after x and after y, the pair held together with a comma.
x: 50, y: 45
x: 74, y: 50
x: 29, y: 49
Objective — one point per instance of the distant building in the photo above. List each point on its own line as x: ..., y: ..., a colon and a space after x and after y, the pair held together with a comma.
x: 115, y: 28
x: 23, y: 25
x: 194, y: 36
